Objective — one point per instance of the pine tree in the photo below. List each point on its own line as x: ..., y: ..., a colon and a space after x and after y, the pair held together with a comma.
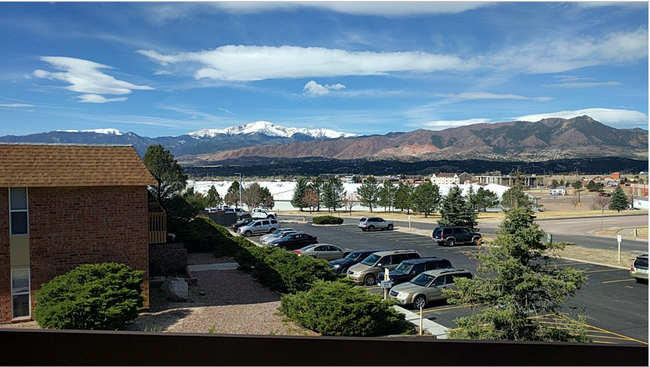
x: 213, y: 198
x: 317, y: 187
x: 167, y: 172
x: 299, y: 193
x: 333, y: 193
x: 369, y: 192
x: 232, y: 195
x: 618, y: 201
x: 517, y: 283
x: 426, y: 198
x: 456, y: 211
x: 403, y: 196
x: 387, y: 195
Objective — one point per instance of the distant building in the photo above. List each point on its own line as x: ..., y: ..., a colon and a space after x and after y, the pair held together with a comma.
x: 445, y: 179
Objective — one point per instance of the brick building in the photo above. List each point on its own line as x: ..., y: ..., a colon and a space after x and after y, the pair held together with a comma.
x: 66, y: 205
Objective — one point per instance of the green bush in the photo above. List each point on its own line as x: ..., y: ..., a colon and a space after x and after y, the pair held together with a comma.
x: 201, y: 234
x: 341, y: 309
x: 104, y: 296
x: 327, y: 219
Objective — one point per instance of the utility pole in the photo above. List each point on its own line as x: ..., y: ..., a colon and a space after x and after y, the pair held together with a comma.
x: 240, y: 184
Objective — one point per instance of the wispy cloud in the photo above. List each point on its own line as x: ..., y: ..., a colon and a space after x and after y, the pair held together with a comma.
x: 569, y: 81
x: 622, y: 119
x: 486, y: 95
x: 251, y: 63
x: 314, y: 89
x: 16, y: 105
x: 85, y: 77
x: 446, y: 124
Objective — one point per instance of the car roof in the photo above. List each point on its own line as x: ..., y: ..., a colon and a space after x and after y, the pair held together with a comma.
x: 371, y: 250
x: 424, y: 260
x: 392, y: 252
x: 445, y: 271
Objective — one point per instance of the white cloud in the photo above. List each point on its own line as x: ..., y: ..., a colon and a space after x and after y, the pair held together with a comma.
x: 84, y: 77
x: 446, y: 124
x: 16, y: 105
x: 487, y: 95
x: 621, y: 119
x: 314, y: 89
x: 251, y: 63
x: 560, y: 55
x: 389, y: 9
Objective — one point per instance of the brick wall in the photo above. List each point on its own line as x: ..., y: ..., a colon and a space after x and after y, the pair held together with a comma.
x: 5, y: 265
x: 167, y: 259
x: 82, y: 225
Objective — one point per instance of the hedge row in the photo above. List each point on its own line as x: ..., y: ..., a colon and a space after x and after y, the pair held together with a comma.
x: 327, y: 219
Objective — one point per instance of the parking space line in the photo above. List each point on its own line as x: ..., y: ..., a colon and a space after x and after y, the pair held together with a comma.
x: 619, y: 281
x: 602, y: 271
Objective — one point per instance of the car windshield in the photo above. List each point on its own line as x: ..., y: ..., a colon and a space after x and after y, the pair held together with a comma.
x: 354, y: 255
x: 371, y: 260
x: 641, y: 263
x: 404, y: 268
x: 422, y: 280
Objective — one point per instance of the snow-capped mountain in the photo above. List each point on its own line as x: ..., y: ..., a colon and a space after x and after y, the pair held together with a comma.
x: 269, y: 129
x: 96, y: 131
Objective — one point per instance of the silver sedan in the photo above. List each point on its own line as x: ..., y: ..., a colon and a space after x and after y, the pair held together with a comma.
x: 323, y: 251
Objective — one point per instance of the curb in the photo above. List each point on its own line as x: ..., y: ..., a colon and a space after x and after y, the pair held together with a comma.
x: 433, y: 328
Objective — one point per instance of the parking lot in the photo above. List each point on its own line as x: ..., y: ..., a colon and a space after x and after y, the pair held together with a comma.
x: 615, y: 305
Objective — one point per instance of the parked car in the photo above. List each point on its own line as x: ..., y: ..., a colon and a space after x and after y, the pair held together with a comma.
x: 340, y: 266
x: 426, y: 287
x: 294, y: 241
x: 366, y: 271
x: 259, y: 226
x: 323, y: 251
x: 639, y: 268
x: 260, y: 213
x: 265, y: 239
x: 408, y: 269
x: 242, y: 222
x: 372, y: 223
x: 605, y: 194
x: 450, y: 236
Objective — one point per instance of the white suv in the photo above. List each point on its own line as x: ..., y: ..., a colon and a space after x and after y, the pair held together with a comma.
x: 259, y: 226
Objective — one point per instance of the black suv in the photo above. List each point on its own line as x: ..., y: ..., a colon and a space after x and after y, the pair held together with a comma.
x: 408, y: 269
x: 450, y: 236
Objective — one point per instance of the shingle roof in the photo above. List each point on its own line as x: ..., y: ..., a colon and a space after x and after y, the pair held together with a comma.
x: 445, y: 174
x: 54, y: 165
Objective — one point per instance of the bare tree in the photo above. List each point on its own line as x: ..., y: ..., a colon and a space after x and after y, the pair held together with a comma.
x: 600, y: 202
x: 574, y: 201
x: 311, y: 200
x: 350, y: 200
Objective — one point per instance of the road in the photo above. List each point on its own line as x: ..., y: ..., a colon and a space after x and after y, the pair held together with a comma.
x: 616, y: 306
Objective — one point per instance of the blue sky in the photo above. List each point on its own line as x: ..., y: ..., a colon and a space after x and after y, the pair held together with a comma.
x: 166, y: 69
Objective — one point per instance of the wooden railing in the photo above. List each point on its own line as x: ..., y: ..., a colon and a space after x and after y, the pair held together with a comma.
x: 157, y: 224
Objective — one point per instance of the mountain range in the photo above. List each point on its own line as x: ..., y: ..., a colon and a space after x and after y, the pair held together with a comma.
x: 524, y: 141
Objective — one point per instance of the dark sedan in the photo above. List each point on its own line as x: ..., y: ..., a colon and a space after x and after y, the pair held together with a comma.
x: 295, y: 241
x: 340, y: 266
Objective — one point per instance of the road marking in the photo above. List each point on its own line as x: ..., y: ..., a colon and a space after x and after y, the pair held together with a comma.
x: 602, y: 271
x: 618, y: 281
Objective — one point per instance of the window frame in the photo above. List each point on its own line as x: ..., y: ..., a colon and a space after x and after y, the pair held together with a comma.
x: 26, y: 292
x: 12, y: 211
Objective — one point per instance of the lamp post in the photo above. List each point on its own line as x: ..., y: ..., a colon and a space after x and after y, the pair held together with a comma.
x: 240, y: 183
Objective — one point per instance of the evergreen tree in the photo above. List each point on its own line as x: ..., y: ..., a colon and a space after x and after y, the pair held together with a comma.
x: 333, y: 193
x: 387, y: 195
x: 299, y: 193
x: 618, y: 201
x: 266, y: 199
x: 485, y: 199
x: 456, y: 211
x: 554, y: 184
x: 213, y: 198
x: 369, y: 192
x: 197, y: 200
x: 403, y: 196
x: 252, y: 195
x: 167, y: 172
x: 317, y: 187
x: 593, y: 186
x: 518, y: 282
x: 426, y: 198
x: 232, y: 195
x: 515, y: 197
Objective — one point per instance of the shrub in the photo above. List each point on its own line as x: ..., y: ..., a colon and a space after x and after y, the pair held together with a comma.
x: 201, y: 234
x: 327, y: 219
x: 90, y: 297
x: 341, y: 309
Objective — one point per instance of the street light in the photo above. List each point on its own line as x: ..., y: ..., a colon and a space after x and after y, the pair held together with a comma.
x: 240, y: 183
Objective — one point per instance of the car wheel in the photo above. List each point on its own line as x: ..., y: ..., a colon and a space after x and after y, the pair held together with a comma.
x: 389, y: 227
x: 283, y: 247
x: 247, y: 234
x: 419, y: 302
x: 371, y: 228
x: 344, y: 270
x: 272, y: 230
x: 476, y: 240
x: 369, y: 279
x: 451, y: 242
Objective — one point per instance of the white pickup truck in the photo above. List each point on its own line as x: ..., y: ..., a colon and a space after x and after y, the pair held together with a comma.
x: 263, y: 213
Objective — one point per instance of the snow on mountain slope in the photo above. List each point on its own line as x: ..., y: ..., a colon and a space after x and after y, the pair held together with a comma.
x: 267, y: 128
x: 97, y: 131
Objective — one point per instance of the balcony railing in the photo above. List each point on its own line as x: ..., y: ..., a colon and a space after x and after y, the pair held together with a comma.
x: 157, y: 224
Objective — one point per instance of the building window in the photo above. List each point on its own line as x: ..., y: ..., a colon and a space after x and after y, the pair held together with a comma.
x: 20, y: 294
x: 18, y: 211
